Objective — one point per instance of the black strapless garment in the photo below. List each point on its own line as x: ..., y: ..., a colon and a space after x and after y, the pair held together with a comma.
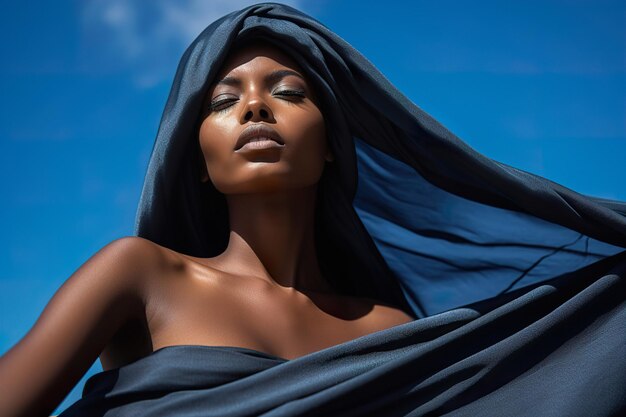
x: 480, y: 360
x: 481, y: 254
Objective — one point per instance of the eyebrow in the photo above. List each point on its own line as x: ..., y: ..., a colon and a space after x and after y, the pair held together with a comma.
x: 270, y: 78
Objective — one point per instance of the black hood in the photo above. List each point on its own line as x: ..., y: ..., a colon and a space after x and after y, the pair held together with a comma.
x: 407, y: 213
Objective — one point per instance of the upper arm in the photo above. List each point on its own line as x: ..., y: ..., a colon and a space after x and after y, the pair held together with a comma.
x: 84, y: 313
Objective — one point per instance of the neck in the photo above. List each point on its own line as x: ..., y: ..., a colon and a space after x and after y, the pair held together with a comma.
x: 272, y: 238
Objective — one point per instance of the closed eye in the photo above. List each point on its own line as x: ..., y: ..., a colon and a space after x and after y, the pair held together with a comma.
x: 291, y: 93
x: 220, y: 105
x: 223, y: 104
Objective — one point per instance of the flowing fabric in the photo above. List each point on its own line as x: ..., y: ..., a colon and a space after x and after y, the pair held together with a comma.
x: 516, y: 282
x: 548, y: 351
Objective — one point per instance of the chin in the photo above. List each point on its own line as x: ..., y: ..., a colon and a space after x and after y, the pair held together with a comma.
x: 267, y: 185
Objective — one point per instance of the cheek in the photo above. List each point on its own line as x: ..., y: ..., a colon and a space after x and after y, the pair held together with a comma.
x: 314, y: 139
x: 309, y: 152
x: 216, y: 151
x: 212, y: 142
x: 206, y: 139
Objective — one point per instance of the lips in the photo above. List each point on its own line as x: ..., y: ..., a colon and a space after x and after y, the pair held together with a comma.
x: 258, y: 132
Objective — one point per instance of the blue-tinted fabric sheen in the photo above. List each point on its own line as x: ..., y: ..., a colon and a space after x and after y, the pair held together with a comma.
x: 516, y: 282
x: 554, y: 350
x: 407, y: 213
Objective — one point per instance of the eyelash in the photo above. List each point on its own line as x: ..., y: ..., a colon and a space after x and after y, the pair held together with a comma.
x: 217, y: 105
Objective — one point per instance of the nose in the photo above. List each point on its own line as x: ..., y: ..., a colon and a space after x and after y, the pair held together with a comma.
x: 257, y: 110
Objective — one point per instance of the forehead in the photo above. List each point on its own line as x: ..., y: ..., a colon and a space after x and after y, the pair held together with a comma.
x: 252, y: 55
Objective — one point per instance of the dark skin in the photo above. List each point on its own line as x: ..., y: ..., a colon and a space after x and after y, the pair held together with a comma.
x: 264, y: 292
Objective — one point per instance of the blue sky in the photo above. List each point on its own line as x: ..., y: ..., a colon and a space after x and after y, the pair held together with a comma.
x: 539, y: 85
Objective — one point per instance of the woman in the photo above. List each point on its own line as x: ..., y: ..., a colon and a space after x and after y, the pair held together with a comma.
x: 262, y: 283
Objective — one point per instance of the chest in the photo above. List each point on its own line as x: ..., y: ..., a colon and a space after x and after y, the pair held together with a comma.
x: 251, y: 314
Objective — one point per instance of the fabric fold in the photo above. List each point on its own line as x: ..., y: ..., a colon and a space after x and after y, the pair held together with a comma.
x: 516, y: 282
x: 395, y: 165
x: 523, y: 357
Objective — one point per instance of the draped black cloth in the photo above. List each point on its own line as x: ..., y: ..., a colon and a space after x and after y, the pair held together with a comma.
x: 516, y: 282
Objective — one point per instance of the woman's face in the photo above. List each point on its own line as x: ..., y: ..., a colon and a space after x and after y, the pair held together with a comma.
x: 262, y: 130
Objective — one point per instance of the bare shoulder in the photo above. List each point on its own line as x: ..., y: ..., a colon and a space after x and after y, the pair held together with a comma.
x: 385, y: 315
x: 143, y: 259
x: 117, y: 269
x: 91, y: 306
x: 372, y: 311
x: 137, y: 252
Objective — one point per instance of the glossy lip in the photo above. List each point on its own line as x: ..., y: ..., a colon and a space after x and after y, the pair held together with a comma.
x: 257, y: 131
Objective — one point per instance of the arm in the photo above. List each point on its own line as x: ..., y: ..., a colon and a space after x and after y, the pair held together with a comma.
x: 75, y: 326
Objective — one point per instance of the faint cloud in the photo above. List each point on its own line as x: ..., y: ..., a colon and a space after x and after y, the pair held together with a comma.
x: 143, y: 38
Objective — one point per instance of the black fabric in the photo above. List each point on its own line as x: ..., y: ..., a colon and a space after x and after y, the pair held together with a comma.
x: 517, y: 282
x: 553, y: 350
x: 458, y: 205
